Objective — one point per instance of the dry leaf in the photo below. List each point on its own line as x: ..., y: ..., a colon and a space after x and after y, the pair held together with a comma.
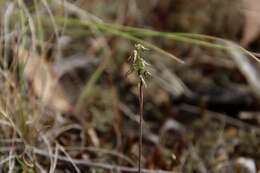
x: 44, y: 81
x: 252, y: 21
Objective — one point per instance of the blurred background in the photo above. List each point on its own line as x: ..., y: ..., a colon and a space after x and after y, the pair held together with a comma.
x: 67, y: 105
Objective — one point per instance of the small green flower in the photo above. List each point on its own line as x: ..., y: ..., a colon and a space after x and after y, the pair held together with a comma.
x: 138, y: 64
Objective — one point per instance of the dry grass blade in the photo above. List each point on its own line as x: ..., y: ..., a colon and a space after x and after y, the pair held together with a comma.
x: 69, y: 159
x: 5, y: 115
x: 88, y: 163
x: 45, y: 3
x: 55, y: 159
x: 249, y: 70
x: 11, y: 161
x: 7, y: 15
x: 49, y: 148
x: 168, y: 80
x: 3, y: 161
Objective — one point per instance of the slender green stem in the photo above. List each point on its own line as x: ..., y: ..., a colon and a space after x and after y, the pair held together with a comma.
x: 141, y: 104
